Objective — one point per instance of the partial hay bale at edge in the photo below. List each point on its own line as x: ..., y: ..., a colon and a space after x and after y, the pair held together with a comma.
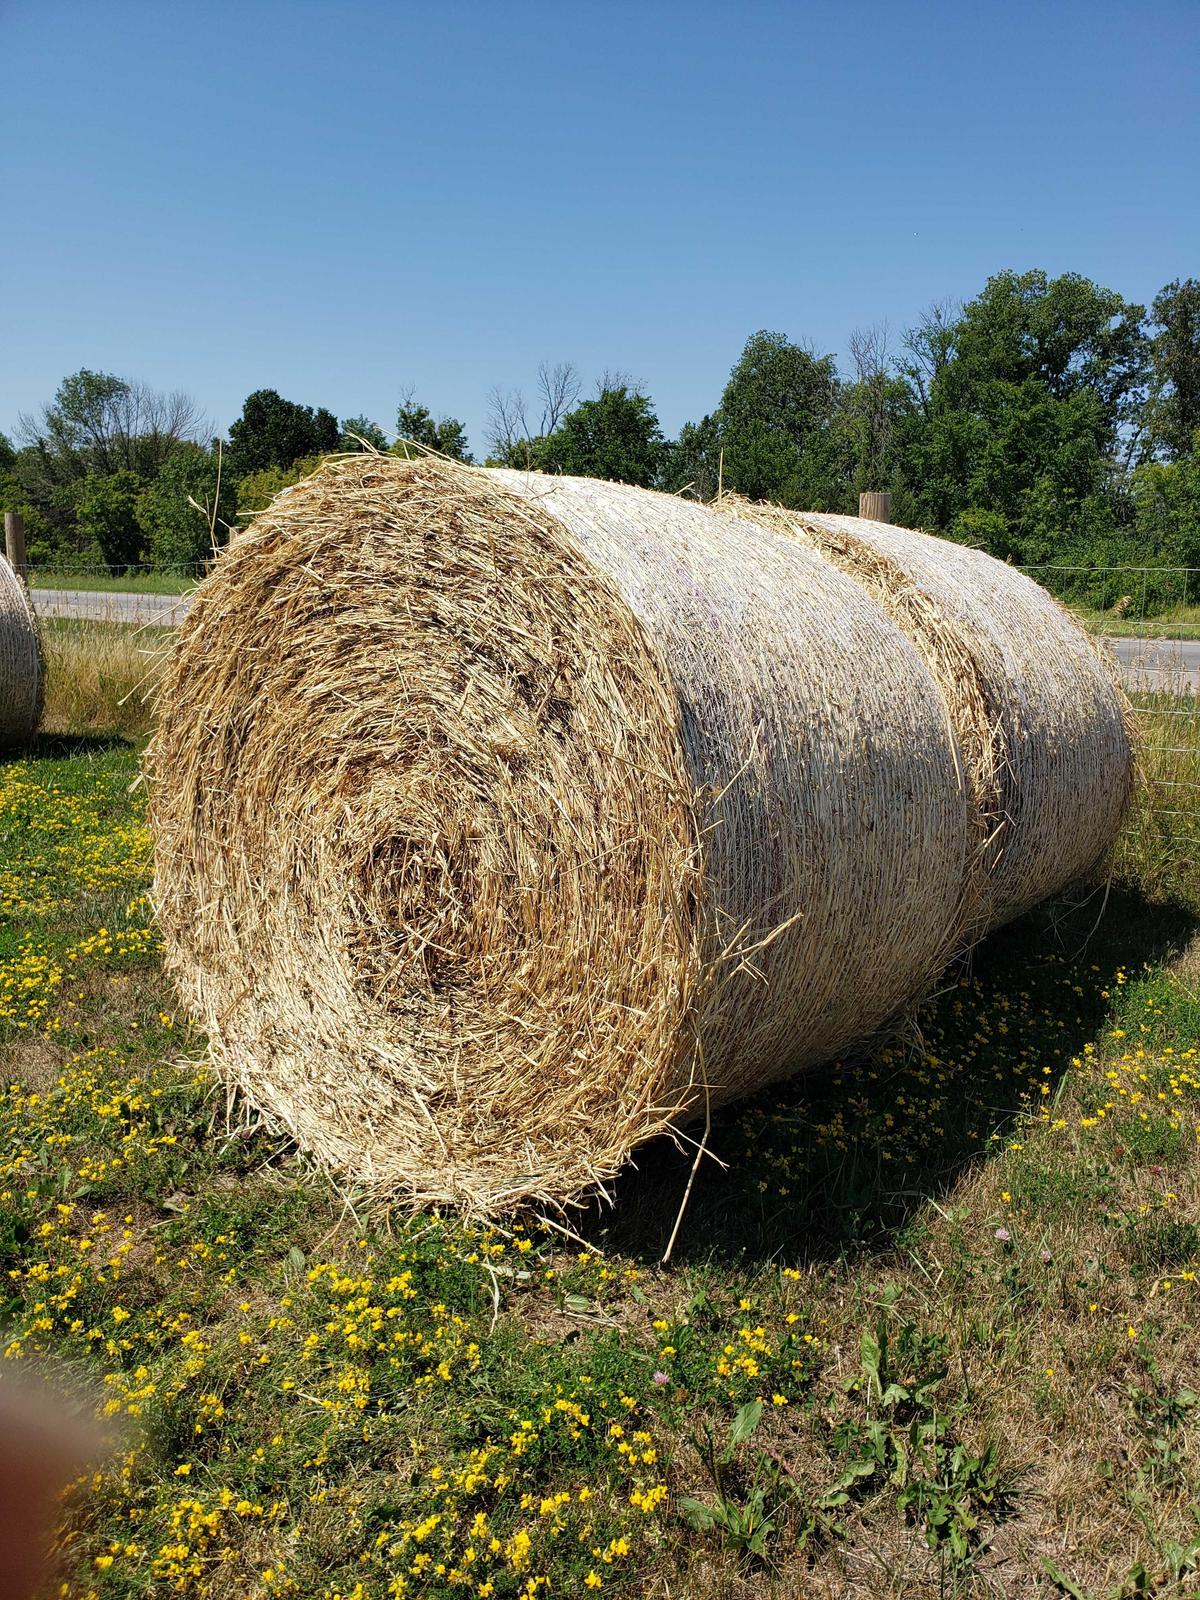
x: 22, y: 662
x: 502, y: 822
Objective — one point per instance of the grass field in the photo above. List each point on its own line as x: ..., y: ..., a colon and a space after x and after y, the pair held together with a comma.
x: 930, y: 1330
x: 100, y: 676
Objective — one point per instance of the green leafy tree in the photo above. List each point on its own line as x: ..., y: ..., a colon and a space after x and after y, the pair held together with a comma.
x: 615, y: 436
x: 526, y: 455
x: 257, y: 489
x: 1025, y: 412
x: 106, y: 512
x: 417, y: 425
x: 986, y: 530
x: 1166, y: 500
x: 691, y: 464
x: 104, y: 424
x: 356, y: 430
x: 12, y: 495
x: 40, y: 542
x: 1173, y: 405
x: 274, y: 432
x: 188, y: 505
x: 97, y: 424
x: 773, y: 436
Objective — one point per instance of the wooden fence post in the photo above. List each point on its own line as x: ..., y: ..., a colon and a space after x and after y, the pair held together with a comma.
x: 876, y: 504
x: 14, y: 541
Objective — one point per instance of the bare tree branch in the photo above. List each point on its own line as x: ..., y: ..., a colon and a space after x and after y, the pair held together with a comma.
x: 871, y: 402
x: 869, y: 351
x: 100, y: 423
x: 615, y: 378
x: 507, y: 425
x: 559, y: 387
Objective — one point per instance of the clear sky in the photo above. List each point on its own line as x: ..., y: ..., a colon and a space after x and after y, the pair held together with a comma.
x: 341, y: 201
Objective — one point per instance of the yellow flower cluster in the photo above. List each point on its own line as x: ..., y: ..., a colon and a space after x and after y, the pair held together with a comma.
x: 59, y: 844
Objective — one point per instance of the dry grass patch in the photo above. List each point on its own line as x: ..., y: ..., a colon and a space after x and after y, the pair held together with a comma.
x: 101, y: 677
x: 1159, y: 846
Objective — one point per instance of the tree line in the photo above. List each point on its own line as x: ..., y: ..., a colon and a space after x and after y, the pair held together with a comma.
x: 1048, y: 421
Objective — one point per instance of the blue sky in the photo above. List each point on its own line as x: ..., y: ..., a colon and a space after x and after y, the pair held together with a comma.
x: 342, y: 201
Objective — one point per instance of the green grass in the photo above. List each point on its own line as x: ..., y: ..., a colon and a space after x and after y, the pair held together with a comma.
x: 100, y: 581
x: 930, y: 1328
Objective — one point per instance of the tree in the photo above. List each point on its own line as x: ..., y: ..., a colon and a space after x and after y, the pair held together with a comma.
x: 1067, y: 333
x: 558, y: 389
x: 691, y: 464
x: 775, y: 424
x: 96, y: 423
x: 191, y: 504
x: 1023, y: 408
x: 928, y: 346
x: 874, y: 415
x: 614, y: 436
x: 1166, y: 499
x: 1173, y: 405
x: 510, y: 435
x: 106, y: 512
x: 274, y: 432
x: 39, y: 536
x: 507, y: 426
x: 100, y: 423
x: 358, y: 432
x: 257, y: 489
x: 417, y: 425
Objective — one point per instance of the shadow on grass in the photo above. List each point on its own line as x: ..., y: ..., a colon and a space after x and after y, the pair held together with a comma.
x: 62, y: 746
x: 837, y: 1161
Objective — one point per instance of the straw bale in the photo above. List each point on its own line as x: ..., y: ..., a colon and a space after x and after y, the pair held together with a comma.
x: 502, y: 822
x: 22, y: 663
x: 1034, y: 699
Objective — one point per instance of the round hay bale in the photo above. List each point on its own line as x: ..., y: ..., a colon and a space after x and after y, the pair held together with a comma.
x: 502, y: 822
x: 22, y: 662
x: 1040, y: 717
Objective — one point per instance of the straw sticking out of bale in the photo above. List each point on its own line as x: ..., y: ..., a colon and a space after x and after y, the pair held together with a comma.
x: 1033, y: 699
x: 502, y: 822
x: 22, y: 668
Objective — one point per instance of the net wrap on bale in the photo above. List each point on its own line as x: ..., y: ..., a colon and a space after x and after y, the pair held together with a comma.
x: 22, y: 663
x: 1042, y: 724
x: 502, y: 822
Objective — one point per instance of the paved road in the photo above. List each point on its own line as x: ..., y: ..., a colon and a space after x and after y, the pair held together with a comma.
x: 163, y: 610
x: 1171, y: 664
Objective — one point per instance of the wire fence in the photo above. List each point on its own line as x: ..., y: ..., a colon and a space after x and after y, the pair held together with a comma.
x: 138, y: 595
x: 1113, y: 598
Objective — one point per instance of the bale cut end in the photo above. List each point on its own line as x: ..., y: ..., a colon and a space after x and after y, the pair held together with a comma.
x: 426, y: 858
